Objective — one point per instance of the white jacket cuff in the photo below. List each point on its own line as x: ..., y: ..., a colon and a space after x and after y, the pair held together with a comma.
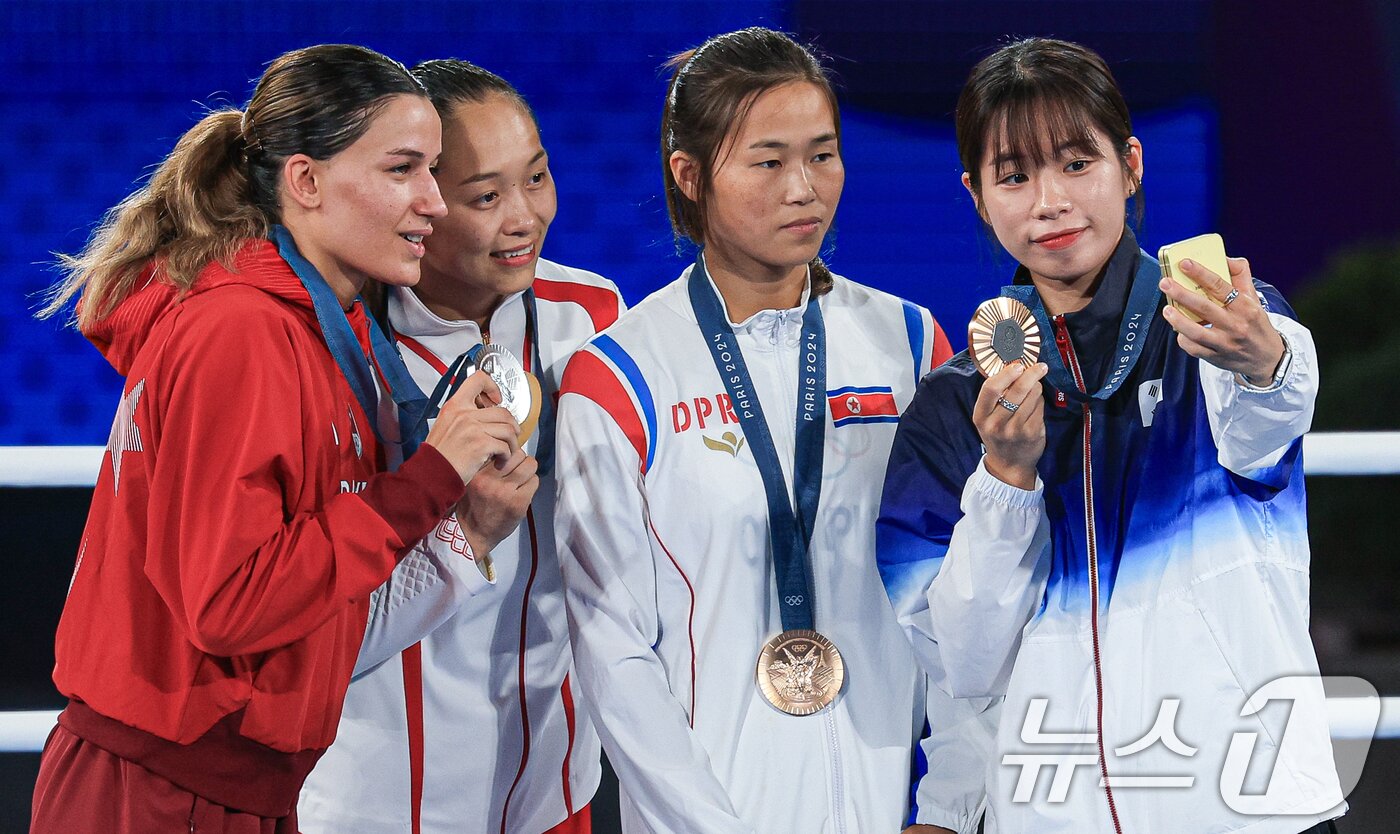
x: 986, y: 485
x: 1253, y: 427
x: 991, y: 582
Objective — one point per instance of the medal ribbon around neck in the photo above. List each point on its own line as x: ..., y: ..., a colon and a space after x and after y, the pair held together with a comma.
x: 354, y: 365
x: 790, y: 532
x: 544, y: 448
x: 1132, y: 333
x: 457, y: 374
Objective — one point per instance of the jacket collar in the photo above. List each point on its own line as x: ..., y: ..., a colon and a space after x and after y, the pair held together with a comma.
x: 1093, y: 329
x: 121, y: 334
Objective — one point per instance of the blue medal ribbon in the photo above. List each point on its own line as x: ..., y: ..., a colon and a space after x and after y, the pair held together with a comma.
x: 789, y: 531
x: 1132, y: 332
x: 544, y: 449
x: 354, y: 365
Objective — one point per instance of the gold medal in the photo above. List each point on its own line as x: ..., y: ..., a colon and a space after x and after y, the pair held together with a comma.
x: 1002, y: 331
x: 800, y: 671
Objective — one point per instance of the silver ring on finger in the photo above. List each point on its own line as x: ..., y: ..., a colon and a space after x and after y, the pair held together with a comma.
x: 1008, y: 405
x: 1231, y: 297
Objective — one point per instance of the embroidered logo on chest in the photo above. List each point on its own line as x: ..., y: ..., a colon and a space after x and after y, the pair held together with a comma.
x: 355, y: 433
x: 351, y: 484
x: 1149, y: 395
x: 727, y: 443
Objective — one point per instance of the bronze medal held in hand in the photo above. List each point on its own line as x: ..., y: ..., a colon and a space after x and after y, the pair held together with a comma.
x: 520, y: 391
x: 1002, y: 331
x: 800, y: 671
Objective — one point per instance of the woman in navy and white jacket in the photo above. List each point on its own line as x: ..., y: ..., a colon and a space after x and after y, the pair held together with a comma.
x: 1115, y: 538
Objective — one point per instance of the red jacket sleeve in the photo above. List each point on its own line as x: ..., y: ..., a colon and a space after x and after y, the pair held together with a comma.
x: 942, y: 350
x: 252, y: 544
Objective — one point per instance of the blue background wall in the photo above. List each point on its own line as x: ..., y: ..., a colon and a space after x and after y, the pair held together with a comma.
x: 1275, y: 124
x: 1278, y: 130
x: 96, y: 94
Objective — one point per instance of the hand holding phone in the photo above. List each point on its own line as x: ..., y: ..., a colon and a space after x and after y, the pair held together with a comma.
x: 1239, y: 336
x: 1206, y: 250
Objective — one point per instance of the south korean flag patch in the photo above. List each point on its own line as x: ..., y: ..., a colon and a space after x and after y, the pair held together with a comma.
x: 1149, y: 395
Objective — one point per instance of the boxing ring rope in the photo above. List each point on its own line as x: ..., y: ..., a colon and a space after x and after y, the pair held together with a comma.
x: 1324, y: 453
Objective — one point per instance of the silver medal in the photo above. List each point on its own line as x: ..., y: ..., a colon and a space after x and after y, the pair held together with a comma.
x: 508, y: 374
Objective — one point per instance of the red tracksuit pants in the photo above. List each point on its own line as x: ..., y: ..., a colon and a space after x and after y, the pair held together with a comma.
x: 83, y: 789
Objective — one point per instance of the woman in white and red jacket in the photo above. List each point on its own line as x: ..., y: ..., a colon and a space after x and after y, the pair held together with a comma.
x: 244, y: 514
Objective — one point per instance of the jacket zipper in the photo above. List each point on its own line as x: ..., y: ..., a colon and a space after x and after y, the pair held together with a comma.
x: 838, y: 792
x: 524, y: 618
x: 777, y: 337
x: 1066, y: 348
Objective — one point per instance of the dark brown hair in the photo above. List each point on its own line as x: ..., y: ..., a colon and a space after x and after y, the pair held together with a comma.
x: 219, y: 186
x: 1039, y: 95
x: 712, y: 89
x: 449, y: 82
x: 452, y: 81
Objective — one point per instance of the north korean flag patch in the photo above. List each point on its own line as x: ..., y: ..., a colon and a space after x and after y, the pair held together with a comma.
x: 862, y: 405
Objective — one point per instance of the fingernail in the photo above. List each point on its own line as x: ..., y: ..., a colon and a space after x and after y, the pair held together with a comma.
x: 1188, y: 263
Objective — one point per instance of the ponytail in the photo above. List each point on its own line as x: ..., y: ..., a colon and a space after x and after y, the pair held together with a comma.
x: 822, y: 281
x: 219, y: 186
x: 195, y: 209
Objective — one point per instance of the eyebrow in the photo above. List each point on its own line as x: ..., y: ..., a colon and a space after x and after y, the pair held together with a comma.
x: 777, y: 145
x: 491, y: 175
x: 409, y: 152
x: 1005, y: 159
x: 1009, y: 158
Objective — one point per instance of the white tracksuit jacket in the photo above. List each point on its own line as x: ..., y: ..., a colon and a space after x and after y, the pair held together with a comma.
x: 663, y: 536
x: 463, y: 716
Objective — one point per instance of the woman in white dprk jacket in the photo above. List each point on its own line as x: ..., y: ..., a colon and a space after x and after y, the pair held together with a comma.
x: 688, y: 428
x: 1114, y: 538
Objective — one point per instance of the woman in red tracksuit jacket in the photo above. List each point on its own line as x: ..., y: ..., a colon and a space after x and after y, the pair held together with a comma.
x: 243, y: 513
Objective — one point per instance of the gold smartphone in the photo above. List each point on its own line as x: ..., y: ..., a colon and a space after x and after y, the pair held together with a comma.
x: 1206, y: 250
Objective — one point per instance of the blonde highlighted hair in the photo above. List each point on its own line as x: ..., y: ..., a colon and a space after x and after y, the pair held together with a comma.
x: 219, y: 186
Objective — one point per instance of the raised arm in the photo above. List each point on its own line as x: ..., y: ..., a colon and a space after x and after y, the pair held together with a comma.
x: 963, y: 554
x: 1258, y: 371
x: 240, y: 573
x: 449, y: 566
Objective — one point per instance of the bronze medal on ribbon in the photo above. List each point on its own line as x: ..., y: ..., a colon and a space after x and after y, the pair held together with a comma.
x: 800, y: 671
x: 1002, y: 331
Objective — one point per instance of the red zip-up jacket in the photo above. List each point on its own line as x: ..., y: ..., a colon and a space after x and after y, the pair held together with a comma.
x: 238, y: 526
